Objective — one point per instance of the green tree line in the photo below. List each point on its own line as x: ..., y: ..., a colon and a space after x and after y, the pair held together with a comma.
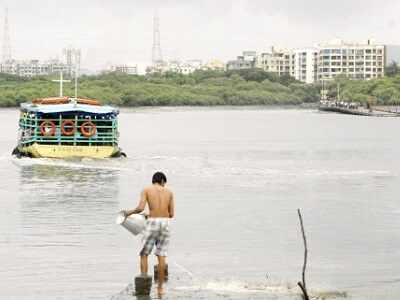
x: 241, y: 87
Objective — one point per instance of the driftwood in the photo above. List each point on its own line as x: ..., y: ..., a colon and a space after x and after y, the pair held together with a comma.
x: 302, y: 284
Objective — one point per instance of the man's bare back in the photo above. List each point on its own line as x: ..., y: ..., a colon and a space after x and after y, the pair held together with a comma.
x: 160, y: 201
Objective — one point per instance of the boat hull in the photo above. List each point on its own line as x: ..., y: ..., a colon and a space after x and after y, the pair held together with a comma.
x: 68, y: 151
x: 358, y: 112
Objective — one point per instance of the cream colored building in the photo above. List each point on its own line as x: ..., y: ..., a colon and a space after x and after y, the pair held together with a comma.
x: 354, y: 60
x: 214, y: 64
x: 279, y: 61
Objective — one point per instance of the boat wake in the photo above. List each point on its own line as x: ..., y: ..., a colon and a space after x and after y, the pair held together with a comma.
x: 84, y: 163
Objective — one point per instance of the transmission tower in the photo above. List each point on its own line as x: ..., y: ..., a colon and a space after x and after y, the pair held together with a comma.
x: 6, y: 39
x: 156, y: 55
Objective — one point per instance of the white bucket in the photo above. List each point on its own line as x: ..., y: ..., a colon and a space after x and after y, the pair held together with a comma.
x: 135, y: 223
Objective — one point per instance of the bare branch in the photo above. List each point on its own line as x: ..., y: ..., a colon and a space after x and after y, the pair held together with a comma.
x: 303, y: 283
x: 303, y: 290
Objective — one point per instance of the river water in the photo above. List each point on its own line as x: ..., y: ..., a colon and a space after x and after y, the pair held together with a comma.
x: 239, y: 175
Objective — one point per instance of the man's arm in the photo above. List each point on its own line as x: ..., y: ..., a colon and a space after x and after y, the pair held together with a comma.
x: 141, y: 205
x: 171, y: 206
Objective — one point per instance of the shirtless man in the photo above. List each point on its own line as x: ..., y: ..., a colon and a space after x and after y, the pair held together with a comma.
x: 161, y: 205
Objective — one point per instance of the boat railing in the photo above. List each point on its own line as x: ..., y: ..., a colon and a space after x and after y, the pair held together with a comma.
x: 106, y: 132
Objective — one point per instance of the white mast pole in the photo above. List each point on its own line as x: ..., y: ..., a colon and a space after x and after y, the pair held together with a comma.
x: 77, y: 61
x: 61, y: 81
x: 61, y: 84
x: 76, y: 81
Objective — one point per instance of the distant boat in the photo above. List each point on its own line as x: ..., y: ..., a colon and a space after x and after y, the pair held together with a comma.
x: 63, y: 127
x: 350, y: 108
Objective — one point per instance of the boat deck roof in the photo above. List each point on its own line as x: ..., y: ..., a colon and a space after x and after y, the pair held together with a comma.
x: 68, y: 108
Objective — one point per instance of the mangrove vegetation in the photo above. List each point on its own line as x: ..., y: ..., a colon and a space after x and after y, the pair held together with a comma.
x: 242, y: 87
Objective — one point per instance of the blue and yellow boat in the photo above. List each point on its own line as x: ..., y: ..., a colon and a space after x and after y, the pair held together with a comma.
x: 63, y: 127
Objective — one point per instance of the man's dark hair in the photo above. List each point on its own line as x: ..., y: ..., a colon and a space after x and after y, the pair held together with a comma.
x: 159, y: 177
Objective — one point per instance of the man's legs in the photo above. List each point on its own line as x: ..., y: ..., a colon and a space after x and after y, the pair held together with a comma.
x: 144, y: 266
x: 161, y: 273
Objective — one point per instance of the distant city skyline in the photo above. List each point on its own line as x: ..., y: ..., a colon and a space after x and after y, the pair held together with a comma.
x: 113, y: 32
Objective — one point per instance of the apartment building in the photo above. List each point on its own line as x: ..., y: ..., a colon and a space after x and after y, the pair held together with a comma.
x: 354, y: 60
x: 176, y: 66
x: 245, y: 61
x: 125, y: 69
x: 305, y: 65
x: 278, y: 61
x: 32, y: 68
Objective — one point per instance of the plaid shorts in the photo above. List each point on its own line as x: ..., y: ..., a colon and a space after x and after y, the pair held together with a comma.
x: 156, y: 233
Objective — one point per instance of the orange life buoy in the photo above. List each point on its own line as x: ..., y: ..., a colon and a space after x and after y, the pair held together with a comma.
x: 47, y: 128
x: 70, y: 130
x: 88, y: 129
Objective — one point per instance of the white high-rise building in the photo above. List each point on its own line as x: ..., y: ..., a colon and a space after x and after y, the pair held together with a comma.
x: 353, y: 60
x: 305, y: 65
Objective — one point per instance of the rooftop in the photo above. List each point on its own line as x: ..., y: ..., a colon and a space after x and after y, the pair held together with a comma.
x: 69, y: 107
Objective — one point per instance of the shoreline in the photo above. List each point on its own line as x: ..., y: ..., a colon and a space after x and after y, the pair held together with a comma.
x: 308, y: 105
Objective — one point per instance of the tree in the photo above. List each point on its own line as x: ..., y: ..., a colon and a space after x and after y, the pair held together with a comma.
x: 392, y: 69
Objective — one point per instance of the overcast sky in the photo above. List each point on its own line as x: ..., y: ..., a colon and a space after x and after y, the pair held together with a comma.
x: 120, y: 31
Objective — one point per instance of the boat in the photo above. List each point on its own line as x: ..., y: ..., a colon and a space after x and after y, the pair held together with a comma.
x: 337, y: 105
x: 351, y: 108
x: 65, y: 127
